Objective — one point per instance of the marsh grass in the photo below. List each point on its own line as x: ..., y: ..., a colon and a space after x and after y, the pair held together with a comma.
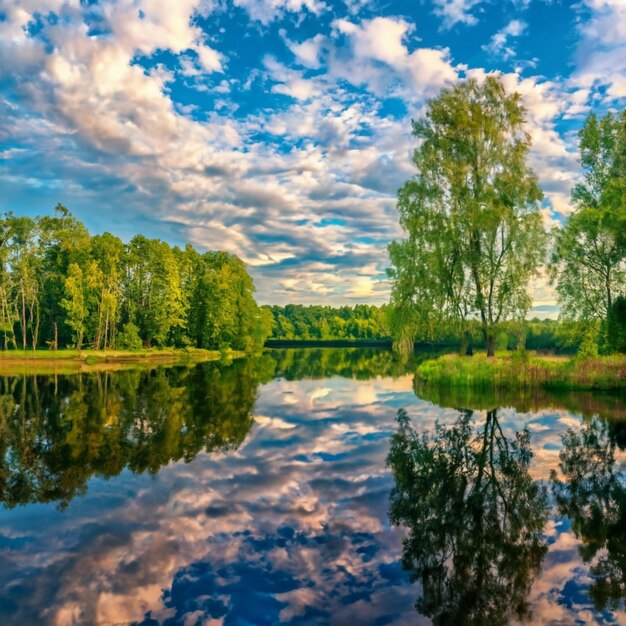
x: 525, y: 371
x: 74, y: 361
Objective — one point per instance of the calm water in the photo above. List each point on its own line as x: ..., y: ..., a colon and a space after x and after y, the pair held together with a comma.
x: 259, y: 493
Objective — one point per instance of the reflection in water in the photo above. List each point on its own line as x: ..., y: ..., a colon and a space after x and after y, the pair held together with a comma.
x: 358, y: 363
x: 257, y: 493
x: 56, y: 434
x: 586, y: 403
x: 593, y: 496
x: 474, y: 518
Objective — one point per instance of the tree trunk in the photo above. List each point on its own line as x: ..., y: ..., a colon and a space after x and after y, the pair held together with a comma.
x: 56, y: 336
x: 106, y: 330
x: 491, y: 342
x: 36, y: 329
x: 23, y: 318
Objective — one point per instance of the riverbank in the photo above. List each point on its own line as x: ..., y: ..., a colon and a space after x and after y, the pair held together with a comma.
x: 75, y: 361
x: 511, y: 371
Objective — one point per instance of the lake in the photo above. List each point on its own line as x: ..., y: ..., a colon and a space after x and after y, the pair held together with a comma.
x: 260, y: 492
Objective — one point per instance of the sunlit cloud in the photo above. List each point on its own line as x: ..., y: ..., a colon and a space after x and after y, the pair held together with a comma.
x: 279, y: 131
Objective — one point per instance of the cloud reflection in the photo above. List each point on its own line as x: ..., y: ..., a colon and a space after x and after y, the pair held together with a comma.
x: 290, y: 527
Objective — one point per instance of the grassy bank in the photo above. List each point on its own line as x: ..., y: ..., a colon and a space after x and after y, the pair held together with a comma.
x: 73, y: 361
x: 509, y: 371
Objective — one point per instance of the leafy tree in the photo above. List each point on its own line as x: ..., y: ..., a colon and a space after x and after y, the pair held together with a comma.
x: 74, y: 303
x: 109, y: 256
x: 589, y: 259
x: 64, y: 241
x: 154, y: 298
x: 474, y: 230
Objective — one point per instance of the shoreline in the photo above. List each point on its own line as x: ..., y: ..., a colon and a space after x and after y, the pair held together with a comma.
x: 42, y: 362
x: 510, y: 371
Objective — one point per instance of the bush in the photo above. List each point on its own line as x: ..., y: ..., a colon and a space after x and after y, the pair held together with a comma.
x: 588, y: 348
x: 616, y: 325
x: 129, y: 339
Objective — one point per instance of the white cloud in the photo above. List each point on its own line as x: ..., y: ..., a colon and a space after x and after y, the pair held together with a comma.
x: 601, y: 54
x: 308, y: 52
x: 499, y: 45
x: 377, y: 46
x: 266, y: 11
x: 455, y: 12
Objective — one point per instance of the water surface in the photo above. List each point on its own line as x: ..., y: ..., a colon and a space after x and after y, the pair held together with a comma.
x: 259, y: 493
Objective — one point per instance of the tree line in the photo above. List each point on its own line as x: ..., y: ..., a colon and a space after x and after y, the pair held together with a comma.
x: 316, y: 322
x: 61, y: 287
x: 475, y: 235
x: 322, y: 323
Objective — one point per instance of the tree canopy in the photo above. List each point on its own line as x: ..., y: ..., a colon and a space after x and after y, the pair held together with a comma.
x: 61, y: 287
x: 589, y: 260
x: 471, y: 215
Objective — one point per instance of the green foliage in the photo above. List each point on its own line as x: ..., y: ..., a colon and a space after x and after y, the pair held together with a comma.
x: 74, y: 303
x: 128, y: 338
x: 588, y: 348
x: 474, y: 230
x: 59, y: 286
x: 616, y: 325
x: 589, y: 260
x: 296, y: 321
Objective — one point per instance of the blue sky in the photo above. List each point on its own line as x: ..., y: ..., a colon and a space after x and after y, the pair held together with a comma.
x: 279, y: 130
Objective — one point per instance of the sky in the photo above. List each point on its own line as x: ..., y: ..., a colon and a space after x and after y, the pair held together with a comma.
x: 280, y: 130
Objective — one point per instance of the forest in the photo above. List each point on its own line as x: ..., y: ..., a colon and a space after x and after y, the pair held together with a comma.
x: 297, y: 322
x: 61, y: 287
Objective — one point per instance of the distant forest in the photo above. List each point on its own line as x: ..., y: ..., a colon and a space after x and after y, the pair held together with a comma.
x: 61, y: 287
x: 297, y: 322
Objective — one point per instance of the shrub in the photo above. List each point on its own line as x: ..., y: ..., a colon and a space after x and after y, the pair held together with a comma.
x: 128, y: 338
x: 588, y: 348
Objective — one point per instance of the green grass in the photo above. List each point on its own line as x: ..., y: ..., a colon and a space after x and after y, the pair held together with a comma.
x: 72, y: 361
x: 510, y: 371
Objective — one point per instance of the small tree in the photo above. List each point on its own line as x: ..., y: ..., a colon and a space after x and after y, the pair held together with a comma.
x: 74, y: 303
x: 128, y: 338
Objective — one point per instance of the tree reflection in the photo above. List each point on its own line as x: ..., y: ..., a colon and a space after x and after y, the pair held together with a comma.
x: 474, y: 518
x: 55, y: 434
x: 593, y: 495
x: 359, y: 363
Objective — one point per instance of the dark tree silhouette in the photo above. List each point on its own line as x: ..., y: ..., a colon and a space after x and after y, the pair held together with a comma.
x: 592, y: 493
x: 56, y: 434
x: 474, y: 519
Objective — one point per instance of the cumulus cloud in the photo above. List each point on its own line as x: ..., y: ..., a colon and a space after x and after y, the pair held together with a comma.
x: 377, y: 46
x: 601, y: 55
x: 139, y: 114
